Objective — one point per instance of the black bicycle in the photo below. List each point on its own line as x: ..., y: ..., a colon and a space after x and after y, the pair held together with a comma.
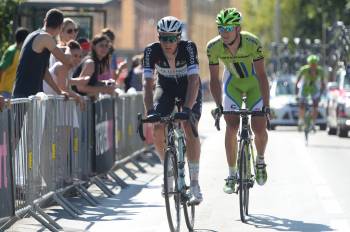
x: 246, y: 157
x: 176, y: 191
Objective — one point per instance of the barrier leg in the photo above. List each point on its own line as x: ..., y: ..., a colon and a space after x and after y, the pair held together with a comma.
x: 43, y: 222
x: 64, y: 206
x: 86, y: 195
x: 139, y: 167
x: 146, y: 160
x: 102, y: 186
x: 70, y: 205
x: 117, y: 179
x: 47, y: 217
x: 128, y: 172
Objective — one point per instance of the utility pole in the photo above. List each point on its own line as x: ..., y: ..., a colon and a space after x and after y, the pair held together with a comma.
x: 277, y: 24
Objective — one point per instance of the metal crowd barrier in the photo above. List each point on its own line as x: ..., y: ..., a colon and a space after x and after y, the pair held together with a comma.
x: 58, y: 146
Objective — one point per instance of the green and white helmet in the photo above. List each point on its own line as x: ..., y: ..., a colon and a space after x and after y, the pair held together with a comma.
x: 229, y: 17
x: 312, y: 59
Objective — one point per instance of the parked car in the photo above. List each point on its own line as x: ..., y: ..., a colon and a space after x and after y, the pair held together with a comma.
x: 338, y: 104
x: 284, y: 105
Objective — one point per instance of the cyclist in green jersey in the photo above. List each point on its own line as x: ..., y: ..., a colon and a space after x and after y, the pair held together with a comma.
x: 312, y: 77
x: 244, y: 74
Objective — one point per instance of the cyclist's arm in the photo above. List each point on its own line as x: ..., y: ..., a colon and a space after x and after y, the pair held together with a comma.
x: 148, y: 97
x: 215, y: 84
x: 263, y: 81
x: 192, y: 90
x: 147, y: 76
x: 193, y: 74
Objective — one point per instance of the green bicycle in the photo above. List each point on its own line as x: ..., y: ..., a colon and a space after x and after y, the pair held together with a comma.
x: 246, y: 165
x: 176, y: 191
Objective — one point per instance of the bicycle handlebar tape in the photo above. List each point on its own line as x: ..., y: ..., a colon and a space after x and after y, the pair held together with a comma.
x: 140, y: 126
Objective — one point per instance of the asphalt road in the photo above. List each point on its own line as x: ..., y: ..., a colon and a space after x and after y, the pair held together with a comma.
x: 308, y: 189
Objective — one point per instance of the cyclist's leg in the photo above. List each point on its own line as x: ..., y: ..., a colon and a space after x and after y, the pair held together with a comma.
x: 164, y: 105
x: 255, y: 103
x: 302, y: 102
x: 192, y: 142
x: 193, y: 145
x: 259, y: 124
x: 315, y: 100
x: 232, y: 101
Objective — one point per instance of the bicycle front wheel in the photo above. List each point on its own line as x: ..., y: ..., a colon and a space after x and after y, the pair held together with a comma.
x: 171, y: 194
x: 243, y: 181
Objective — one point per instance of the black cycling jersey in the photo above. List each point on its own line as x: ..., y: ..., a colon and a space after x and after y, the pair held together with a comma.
x: 186, y: 61
x: 172, y: 83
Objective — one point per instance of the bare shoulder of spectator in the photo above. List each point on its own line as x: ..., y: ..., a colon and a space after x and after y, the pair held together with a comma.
x: 44, y: 40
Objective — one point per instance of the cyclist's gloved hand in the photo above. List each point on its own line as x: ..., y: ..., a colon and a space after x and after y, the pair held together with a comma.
x: 218, y: 111
x: 190, y: 114
x: 151, y: 112
x: 266, y: 110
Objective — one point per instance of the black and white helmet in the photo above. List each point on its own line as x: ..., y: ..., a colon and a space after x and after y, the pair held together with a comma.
x: 169, y: 24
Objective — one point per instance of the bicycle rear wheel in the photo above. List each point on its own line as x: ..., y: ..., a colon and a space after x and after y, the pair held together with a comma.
x: 189, y: 213
x: 171, y: 194
x: 307, y: 126
x: 243, y: 181
x: 189, y: 209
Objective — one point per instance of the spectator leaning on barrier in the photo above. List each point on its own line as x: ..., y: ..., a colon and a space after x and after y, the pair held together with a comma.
x: 115, y: 68
x: 2, y: 102
x: 35, y: 55
x: 9, y: 63
x: 85, y: 46
x: 60, y: 73
x: 95, y: 66
x: 69, y: 32
x: 134, y: 77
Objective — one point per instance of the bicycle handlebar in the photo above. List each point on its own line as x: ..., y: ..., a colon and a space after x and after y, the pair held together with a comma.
x: 217, y: 115
x: 179, y: 116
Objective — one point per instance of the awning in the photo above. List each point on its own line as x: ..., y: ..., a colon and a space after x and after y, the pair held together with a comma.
x: 66, y: 3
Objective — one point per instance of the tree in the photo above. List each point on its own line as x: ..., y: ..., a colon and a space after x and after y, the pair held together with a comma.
x: 299, y: 18
x: 8, y: 9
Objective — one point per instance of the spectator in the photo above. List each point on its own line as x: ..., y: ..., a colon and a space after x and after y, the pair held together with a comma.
x: 61, y: 73
x: 35, y: 55
x: 85, y: 46
x: 2, y: 102
x: 115, y: 70
x: 95, y: 66
x: 9, y: 63
x: 69, y: 32
x: 134, y: 78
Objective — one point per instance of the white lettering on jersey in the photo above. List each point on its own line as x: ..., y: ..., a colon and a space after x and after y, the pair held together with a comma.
x: 171, y: 73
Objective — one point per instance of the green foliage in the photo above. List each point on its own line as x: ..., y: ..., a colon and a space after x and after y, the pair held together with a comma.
x: 299, y: 18
x: 8, y: 9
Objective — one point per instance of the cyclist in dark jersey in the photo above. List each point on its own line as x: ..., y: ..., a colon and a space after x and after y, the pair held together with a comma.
x: 34, y: 58
x: 176, y: 63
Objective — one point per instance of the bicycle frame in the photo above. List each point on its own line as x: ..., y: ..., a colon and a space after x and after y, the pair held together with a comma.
x: 245, y: 142
x: 176, y: 144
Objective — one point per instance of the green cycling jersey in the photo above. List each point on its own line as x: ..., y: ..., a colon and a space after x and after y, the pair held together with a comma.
x: 310, y: 82
x: 239, y: 76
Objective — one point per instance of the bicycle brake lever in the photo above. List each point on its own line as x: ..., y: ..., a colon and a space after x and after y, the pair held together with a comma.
x: 140, y: 126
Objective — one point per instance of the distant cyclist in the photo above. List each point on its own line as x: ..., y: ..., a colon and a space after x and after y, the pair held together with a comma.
x: 312, y: 85
x: 176, y: 63
x: 244, y: 74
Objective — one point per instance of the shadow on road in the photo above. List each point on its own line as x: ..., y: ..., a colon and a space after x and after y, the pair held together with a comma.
x: 205, y: 230
x: 284, y: 224
x: 322, y: 146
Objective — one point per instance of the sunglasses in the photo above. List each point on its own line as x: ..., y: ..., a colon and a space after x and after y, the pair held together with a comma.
x: 103, y: 45
x: 168, y: 38
x: 222, y: 29
x: 70, y: 31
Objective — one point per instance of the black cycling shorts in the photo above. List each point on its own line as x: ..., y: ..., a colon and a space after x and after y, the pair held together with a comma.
x: 166, y: 93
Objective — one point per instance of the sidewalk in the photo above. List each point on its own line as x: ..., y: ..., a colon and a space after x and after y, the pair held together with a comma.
x: 128, y: 210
